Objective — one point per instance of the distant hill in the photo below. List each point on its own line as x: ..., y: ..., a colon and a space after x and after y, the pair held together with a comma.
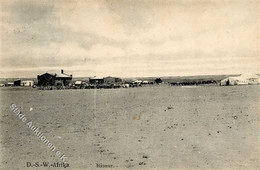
x: 171, y: 79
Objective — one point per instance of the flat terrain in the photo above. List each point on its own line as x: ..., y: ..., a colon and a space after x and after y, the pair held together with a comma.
x: 147, y: 127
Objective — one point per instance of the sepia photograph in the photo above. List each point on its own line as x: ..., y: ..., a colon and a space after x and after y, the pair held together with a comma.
x: 129, y: 84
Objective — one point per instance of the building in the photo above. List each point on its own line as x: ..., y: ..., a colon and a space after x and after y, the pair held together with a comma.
x: 96, y: 80
x: 239, y: 80
x: 46, y: 79
x: 224, y: 82
x: 145, y: 82
x: 27, y: 83
x: 78, y: 83
x: 63, y: 79
x: 10, y: 84
x: 232, y: 81
x: 137, y: 82
x: 17, y: 83
x: 50, y: 79
x: 112, y: 80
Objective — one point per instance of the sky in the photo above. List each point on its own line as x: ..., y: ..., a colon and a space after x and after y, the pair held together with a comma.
x: 129, y: 38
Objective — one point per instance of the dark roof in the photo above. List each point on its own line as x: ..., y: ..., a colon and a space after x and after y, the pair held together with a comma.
x: 52, y: 74
x: 59, y: 75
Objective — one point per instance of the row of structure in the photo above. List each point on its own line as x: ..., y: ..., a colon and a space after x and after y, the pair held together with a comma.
x: 50, y: 79
x: 104, y: 80
x: 26, y: 83
x: 240, y: 80
x: 65, y: 80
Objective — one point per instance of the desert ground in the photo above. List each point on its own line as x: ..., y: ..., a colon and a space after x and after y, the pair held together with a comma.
x: 161, y: 127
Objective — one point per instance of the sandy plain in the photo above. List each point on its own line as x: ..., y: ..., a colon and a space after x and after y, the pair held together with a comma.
x: 159, y: 127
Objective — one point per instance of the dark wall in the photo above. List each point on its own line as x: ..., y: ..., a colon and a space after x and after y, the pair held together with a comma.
x: 46, y: 80
x: 17, y: 83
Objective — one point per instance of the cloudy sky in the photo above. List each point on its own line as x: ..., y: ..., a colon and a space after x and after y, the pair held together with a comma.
x: 129, y: 38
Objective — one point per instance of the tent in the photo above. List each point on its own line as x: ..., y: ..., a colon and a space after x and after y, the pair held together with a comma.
x: 243, y: 79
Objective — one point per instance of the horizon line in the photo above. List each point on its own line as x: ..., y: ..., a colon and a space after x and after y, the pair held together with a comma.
x: 137, y: 76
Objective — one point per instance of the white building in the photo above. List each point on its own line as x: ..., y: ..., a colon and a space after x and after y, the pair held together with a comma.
x: 78, y: 83
x: 27, y: 83
x: 10, y: 84
x: 145, y: 82
x: 240, y: 80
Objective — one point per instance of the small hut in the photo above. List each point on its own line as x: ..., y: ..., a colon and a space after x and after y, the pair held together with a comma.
x: 27, y: 83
